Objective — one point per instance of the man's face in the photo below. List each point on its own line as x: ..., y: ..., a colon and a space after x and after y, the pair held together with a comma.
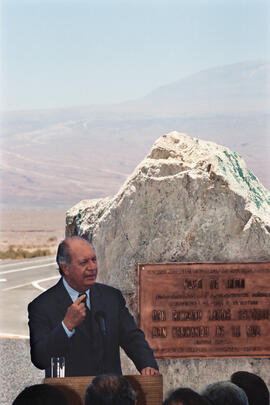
x: 81, y: 274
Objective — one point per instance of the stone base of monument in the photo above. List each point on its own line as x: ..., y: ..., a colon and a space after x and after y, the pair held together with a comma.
x: 194, y: 373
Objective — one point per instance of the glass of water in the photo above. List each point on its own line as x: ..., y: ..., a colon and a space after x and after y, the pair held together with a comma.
x: 57, y: 367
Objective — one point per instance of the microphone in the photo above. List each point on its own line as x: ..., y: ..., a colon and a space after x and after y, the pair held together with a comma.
x: 100, y: 318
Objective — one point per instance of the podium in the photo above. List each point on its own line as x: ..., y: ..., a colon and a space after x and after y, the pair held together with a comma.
x: 149, y: 389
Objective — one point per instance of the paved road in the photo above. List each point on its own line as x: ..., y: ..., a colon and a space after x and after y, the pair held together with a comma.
x: 20, y: 282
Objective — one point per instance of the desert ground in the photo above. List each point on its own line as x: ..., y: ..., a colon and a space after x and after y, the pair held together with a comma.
x: 31, y: 229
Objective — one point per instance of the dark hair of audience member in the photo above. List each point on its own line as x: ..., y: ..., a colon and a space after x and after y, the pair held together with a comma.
x: 224, y: 393
x: 185, y: 396
x: 253, y: 385
x: 109, y: 389
x: 41, y: 394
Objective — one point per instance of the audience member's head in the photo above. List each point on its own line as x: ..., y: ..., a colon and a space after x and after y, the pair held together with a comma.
x: 224, y: 393
x: 185, y: 396
x: 109, y: 389
x: 253, y: 385
x: 41, y: 394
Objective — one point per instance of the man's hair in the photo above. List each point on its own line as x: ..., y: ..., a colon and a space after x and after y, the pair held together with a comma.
x: 185, y: 396
x: 253, y: 385
x: 63, y: 255
x: 41, y: 394
x: 109, y: 389
x: 63, y: 252
x: 224, y: 393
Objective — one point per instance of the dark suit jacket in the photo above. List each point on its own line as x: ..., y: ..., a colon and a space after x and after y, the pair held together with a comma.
x: 84, y: 351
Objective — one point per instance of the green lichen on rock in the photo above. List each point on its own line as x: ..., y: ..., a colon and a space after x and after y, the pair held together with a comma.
x: 237, y: 171
x: 245, y: 178
x: 251, y: 175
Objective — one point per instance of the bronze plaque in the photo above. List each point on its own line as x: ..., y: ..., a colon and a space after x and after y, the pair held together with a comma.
x: 195, y: 310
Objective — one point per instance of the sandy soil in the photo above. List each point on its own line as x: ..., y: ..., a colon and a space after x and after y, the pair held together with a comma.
x: 32, y: 229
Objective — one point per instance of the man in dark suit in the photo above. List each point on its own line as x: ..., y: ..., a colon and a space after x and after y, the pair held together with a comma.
x: 84, y: 321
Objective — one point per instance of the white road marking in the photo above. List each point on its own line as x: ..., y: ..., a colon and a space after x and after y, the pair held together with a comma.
x: 3, y: 279
x: 36, y: 283
x: 13, y: 335
x: 20, y: 262
x: 17, y: 286
x: 33, y: 283
x: 26, y: 268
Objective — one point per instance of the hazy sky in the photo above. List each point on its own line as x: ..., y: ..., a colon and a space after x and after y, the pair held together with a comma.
x: 59, y: 53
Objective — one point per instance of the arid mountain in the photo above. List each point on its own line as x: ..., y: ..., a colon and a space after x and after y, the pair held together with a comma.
x: 54, y: 158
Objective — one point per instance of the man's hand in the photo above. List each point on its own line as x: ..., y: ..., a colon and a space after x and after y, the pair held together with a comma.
x: 75, y: 314
x: 149, y: 371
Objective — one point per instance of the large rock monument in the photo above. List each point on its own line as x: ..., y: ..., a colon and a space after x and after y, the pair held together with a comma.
x: 189, y: 200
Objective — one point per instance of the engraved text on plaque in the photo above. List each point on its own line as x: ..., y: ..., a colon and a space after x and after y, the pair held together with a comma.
x: 206, y: 309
